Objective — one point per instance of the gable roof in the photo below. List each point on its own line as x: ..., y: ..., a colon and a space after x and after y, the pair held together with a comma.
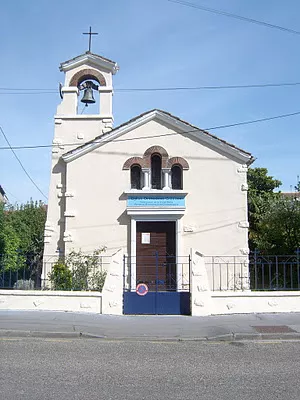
x: 89, y: 57
x: 182, y: 126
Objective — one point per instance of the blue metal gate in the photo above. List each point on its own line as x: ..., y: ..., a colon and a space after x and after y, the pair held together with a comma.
x: 165, y: 281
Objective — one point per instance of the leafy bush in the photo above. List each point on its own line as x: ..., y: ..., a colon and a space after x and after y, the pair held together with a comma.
x: 61, y: 276
x: 97, y: 279
x: 79, y: 272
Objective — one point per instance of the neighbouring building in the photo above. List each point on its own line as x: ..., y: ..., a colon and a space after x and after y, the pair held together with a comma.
x: 3, y: 197
x: 154, y: 186
x: 291, y: 195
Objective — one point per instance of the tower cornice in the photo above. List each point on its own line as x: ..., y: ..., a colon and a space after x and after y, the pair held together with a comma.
x: 89, y: 58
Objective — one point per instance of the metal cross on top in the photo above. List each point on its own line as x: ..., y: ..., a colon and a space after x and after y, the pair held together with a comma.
x: 90, y: 33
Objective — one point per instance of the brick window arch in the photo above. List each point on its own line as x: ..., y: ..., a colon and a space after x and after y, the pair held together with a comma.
x: 178, y: 161
x: 154, y: 166
x: 156, y: 150
x: 134, y: 160
x: 85, y: 74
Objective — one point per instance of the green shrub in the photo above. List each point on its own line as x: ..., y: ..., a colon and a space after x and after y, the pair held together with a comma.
x: 85, y: 270
x: 96, y: 280
x: 79, y: 272
x: 61, y: 276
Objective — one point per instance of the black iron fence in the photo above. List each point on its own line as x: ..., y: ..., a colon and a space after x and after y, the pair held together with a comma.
x: 227, y: 272
x: 20, y: 271
x: 32, y: 273
x: 274, y: 272
x: 254, y: 272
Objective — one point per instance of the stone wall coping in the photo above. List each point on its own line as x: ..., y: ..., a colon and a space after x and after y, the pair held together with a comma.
x: 49, y: 293
x: 248, y: 293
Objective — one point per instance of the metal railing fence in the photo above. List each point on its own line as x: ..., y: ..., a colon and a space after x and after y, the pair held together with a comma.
x: 274, y: 272
x: 254, y: 272
x: 227, y: 272
x: 21, y: 272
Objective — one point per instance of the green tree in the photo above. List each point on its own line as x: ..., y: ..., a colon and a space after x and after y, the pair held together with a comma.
x: 261, y: 192
x: 260, y: 182
x: 1, y: 227
x: 279, y: 226
x: 21, y: 235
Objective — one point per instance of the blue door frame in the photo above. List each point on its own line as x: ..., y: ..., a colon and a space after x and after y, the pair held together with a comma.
x: 165, y: 296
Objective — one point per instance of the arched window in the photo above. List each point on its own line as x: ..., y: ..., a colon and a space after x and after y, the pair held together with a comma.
x: 176, y: 177
x: 156, y: 171
x: 135, y: 177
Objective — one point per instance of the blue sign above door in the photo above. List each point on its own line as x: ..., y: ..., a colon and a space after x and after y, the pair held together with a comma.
x: 156, y: 201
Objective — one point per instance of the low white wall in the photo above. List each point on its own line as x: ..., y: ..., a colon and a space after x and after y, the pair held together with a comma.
x: 112, y: 301
x: 51, y: 301
x: 204, y: 301
x: 201, y: 299
x: 255, y: 302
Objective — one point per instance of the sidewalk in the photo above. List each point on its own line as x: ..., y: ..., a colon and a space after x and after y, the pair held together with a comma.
x: 76, y: 325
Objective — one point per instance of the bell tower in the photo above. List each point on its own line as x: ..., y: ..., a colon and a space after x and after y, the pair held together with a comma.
x: 85, y: 75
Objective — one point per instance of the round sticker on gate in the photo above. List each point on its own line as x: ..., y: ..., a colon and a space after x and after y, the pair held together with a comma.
x: 142, y: 289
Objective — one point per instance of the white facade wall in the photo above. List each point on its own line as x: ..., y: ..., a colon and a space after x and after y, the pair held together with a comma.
x: 69, y: 133
x: 215, y: 220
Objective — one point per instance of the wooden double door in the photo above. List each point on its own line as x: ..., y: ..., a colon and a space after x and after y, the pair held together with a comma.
x: 156, y: 255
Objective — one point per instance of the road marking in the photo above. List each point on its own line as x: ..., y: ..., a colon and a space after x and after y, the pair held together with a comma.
x: 270, y: 342
x: 9, y: 339
x: 59, y: 340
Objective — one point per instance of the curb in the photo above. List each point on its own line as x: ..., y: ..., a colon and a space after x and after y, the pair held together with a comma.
x: 233, y: 337
x: 266, y: 336
x: 46, y: 334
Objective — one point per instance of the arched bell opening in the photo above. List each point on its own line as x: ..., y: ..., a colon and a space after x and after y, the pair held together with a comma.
x: 90, y: 82
x: 88, y: 97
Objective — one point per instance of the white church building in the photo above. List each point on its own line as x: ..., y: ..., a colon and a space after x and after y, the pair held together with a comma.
x: 154, y: 187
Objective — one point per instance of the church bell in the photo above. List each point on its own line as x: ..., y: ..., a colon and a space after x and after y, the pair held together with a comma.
x: 88, y: 97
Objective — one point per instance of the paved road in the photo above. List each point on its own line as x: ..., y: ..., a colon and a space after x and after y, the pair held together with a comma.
x: 35, y: 369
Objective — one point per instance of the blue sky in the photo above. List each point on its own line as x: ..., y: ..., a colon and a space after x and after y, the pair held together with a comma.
x: 156, y: 44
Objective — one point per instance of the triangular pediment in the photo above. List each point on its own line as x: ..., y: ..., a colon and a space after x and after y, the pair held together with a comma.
x: 89, y: 58
x: 182, y: 127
